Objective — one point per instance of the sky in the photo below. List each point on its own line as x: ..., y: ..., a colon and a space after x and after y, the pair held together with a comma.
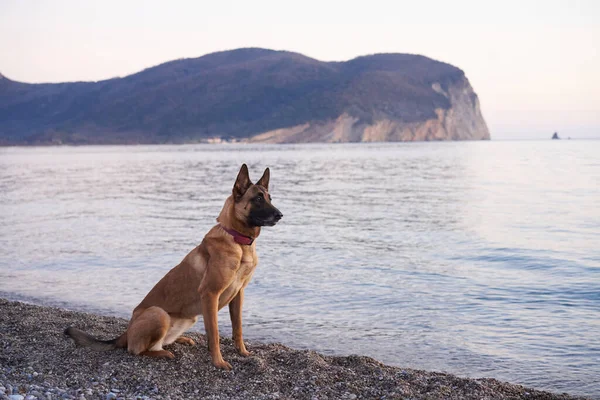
x: 534, y: 64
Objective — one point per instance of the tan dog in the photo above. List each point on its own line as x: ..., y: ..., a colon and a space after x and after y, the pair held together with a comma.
x: 210, y: 277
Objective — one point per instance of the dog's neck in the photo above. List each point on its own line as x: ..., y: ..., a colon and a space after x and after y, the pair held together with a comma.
x: 228, y: 219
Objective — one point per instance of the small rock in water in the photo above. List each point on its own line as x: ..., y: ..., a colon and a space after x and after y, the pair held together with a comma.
x: 111, y: 396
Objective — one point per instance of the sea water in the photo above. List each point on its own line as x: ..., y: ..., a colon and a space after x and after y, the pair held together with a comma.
x: 476, y: 258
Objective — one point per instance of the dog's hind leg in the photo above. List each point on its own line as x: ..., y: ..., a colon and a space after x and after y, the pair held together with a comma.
x: 146, y: 333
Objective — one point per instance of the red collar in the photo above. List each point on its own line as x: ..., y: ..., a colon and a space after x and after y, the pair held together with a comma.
x: 238, y: 237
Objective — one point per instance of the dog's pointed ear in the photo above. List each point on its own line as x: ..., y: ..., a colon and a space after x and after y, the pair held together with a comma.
x: 242, y: 182
x: 264, y: 180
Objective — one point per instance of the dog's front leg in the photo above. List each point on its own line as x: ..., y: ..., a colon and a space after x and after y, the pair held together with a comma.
x: 210, y: 308
x: 235, y: 312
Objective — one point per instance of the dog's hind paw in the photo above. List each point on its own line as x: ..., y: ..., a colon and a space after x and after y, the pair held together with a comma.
x: 185, y: 340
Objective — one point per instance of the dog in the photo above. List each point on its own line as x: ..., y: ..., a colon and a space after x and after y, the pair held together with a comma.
x: 210, y: 277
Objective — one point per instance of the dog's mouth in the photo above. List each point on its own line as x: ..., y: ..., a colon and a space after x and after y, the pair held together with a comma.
x: 269, y: 220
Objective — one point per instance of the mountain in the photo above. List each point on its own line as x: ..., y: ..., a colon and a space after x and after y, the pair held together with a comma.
x: 250, y: 94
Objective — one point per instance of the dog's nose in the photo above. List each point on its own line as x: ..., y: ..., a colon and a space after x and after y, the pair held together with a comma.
x: 278, y: 215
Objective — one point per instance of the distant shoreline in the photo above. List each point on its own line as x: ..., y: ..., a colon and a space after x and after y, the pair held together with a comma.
x: 38, y: 361
x: 247, y: 143
x: 234, y: 142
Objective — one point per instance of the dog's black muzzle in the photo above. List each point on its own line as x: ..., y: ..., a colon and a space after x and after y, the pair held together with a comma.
x: 265, y: 217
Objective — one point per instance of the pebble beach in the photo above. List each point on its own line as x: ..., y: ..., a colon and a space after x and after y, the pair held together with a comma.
x: 38, y: 362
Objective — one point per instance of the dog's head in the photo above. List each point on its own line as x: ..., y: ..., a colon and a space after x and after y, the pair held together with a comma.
x: 252, y: 202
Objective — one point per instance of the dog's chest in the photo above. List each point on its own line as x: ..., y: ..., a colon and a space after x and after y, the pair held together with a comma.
x: 241, y: 279
x: 247, y: 266
x: 244, y: 273
x: 248, y: 262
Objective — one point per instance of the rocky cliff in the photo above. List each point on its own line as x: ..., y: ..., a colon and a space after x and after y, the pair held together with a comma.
x: 461, y: 121
x: 255, y: 95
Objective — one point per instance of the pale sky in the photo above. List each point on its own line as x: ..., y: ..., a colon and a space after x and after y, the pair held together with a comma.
x: 534, y: 64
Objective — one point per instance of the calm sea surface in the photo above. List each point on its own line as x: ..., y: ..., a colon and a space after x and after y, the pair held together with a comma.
x: 476, y: 258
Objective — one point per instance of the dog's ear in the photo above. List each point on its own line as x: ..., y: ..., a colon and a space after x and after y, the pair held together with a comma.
x: 264, y: 180
x: 242, y: 183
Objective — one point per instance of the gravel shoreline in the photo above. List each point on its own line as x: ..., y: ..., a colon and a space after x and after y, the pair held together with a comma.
x: 38, y: 362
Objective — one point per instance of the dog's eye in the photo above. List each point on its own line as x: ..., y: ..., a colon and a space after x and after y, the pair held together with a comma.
x: 259, y: 199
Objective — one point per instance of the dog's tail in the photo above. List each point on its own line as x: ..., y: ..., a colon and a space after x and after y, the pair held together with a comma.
x: 83, y: 339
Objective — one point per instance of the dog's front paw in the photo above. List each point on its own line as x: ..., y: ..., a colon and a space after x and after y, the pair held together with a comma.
x: 244, y: 352
x: 241, y: 349
x: 222, y: 364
